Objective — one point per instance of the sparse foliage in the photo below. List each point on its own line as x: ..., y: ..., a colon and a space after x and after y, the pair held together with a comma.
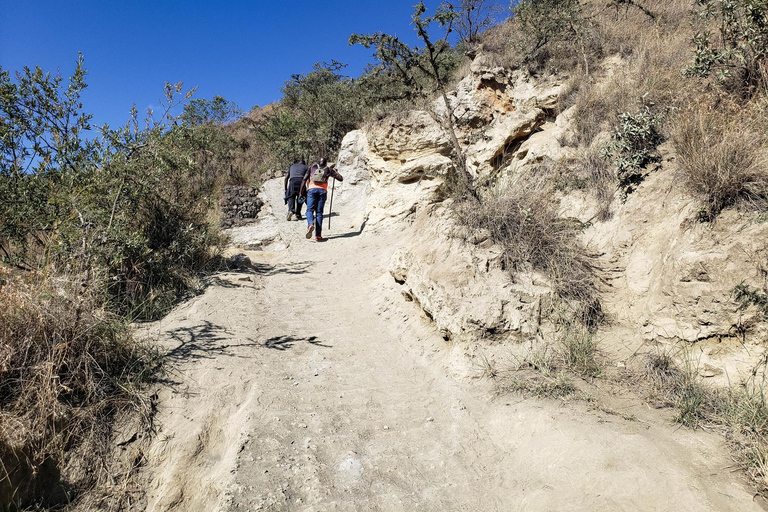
x: 738, y: 54
x: 523, y: 219
x: 475, y: 17
x: 317, y: 109
x: 217, y: 111
x: 554, y: 33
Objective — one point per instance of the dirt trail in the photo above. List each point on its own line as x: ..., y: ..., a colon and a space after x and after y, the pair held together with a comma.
x: 307, y: 384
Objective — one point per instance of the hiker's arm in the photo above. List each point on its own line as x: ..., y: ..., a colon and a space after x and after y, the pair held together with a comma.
x: 336, y: 174
x: 285, y: 186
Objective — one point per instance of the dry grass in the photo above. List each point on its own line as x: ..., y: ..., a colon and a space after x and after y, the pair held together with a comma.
x: 723, y: 157
x: 523, y: 219
x: 739, y: 411
x: 67, y: 369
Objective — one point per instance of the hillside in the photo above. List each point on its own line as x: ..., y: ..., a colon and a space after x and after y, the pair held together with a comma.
x: 543, y: 287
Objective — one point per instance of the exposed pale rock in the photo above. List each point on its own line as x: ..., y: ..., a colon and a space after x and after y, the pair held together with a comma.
x: 525, y: 91
x: 501, y: 139
x: 353, y: 166
x: 461, y: 286
x: 407, y: 158
x: 672, y: 278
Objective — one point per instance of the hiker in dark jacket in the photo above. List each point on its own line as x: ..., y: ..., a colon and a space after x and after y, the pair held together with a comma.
x: 316, y: 183
x: 293, y: 181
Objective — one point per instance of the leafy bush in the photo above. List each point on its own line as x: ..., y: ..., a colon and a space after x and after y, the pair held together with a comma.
x: 317, y: 109
x: 95, y: 226
x: 739, y: 55
x: 217, y: 111
x: 633, y: 146
x: 133, y: 205
x: 722, y: 156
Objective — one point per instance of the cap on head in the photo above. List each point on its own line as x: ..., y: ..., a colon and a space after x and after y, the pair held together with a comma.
x: 321, y: 162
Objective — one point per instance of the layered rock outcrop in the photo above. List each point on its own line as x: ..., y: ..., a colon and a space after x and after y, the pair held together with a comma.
x: 460, y: 282
x: 666, y: 278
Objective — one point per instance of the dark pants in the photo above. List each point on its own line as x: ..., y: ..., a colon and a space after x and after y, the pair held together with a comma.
x: 315, y: 203
x: 294, y: 205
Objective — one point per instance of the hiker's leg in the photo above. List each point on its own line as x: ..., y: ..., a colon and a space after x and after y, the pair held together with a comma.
x: 311, y: 206
x: 320, y: 204
x: 291, y: 202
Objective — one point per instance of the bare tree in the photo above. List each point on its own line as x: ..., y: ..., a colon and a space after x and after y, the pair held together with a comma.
x: 476, y: 16
x: 425, y: 72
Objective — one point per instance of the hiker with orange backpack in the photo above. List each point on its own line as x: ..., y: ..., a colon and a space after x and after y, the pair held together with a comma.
x: 316, y: 184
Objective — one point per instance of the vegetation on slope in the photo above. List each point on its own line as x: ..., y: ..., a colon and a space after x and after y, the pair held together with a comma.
x: 97, y: 230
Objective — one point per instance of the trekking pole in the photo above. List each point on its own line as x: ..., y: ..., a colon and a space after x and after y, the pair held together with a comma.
x: 330, y: 206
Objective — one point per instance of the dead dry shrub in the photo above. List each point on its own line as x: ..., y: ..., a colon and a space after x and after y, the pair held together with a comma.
x: 523, y: 219
x: 67, y: 369
x: 723, y: 157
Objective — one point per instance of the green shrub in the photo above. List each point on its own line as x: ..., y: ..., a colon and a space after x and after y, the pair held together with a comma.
x: 633, y: 146
x: 738, y: 56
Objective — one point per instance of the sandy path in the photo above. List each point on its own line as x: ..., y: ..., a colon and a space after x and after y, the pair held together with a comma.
x: 309, y: 385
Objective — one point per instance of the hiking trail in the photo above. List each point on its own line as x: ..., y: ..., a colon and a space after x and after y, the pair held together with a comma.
x: 308, y: 383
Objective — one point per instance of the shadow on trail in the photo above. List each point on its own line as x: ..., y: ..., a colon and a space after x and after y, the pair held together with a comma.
x: 258, y: 269
x: 351, y: 233
x: 286, y: 342
x: 204, y: 341
x: 263, y: 269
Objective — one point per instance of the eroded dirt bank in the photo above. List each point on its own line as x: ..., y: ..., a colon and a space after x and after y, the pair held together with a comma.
x: 307, y: 383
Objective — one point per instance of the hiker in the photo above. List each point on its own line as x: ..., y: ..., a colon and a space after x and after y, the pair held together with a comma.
x: 316, y: 183
x: 293, y: 184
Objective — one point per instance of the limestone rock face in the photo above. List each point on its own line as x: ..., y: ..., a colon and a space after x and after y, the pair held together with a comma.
x: 460, y: 285
x: 407, y: 158
x: 665, y: 278
x: 678, y: 274
x: 353, y: 192
x: 501, y: 139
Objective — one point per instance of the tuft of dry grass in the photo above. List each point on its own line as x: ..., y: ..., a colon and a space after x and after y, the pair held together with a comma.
x: 739, y: 411
x: 723, y: 158
x: 67, y: 368
x: 523, y: 219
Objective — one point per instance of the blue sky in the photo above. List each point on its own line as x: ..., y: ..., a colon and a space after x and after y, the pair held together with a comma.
x: 241, y: 50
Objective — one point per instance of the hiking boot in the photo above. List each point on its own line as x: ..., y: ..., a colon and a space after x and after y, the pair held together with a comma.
x: 319, y: 239
x: 298, y: 216
x: 290, y: 215
x: 310, y: 230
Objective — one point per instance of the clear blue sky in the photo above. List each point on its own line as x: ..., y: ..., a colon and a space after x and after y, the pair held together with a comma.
x: 241, y: 50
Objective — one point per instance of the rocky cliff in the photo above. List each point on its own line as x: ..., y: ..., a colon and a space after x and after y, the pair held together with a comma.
x: 664, y: 277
